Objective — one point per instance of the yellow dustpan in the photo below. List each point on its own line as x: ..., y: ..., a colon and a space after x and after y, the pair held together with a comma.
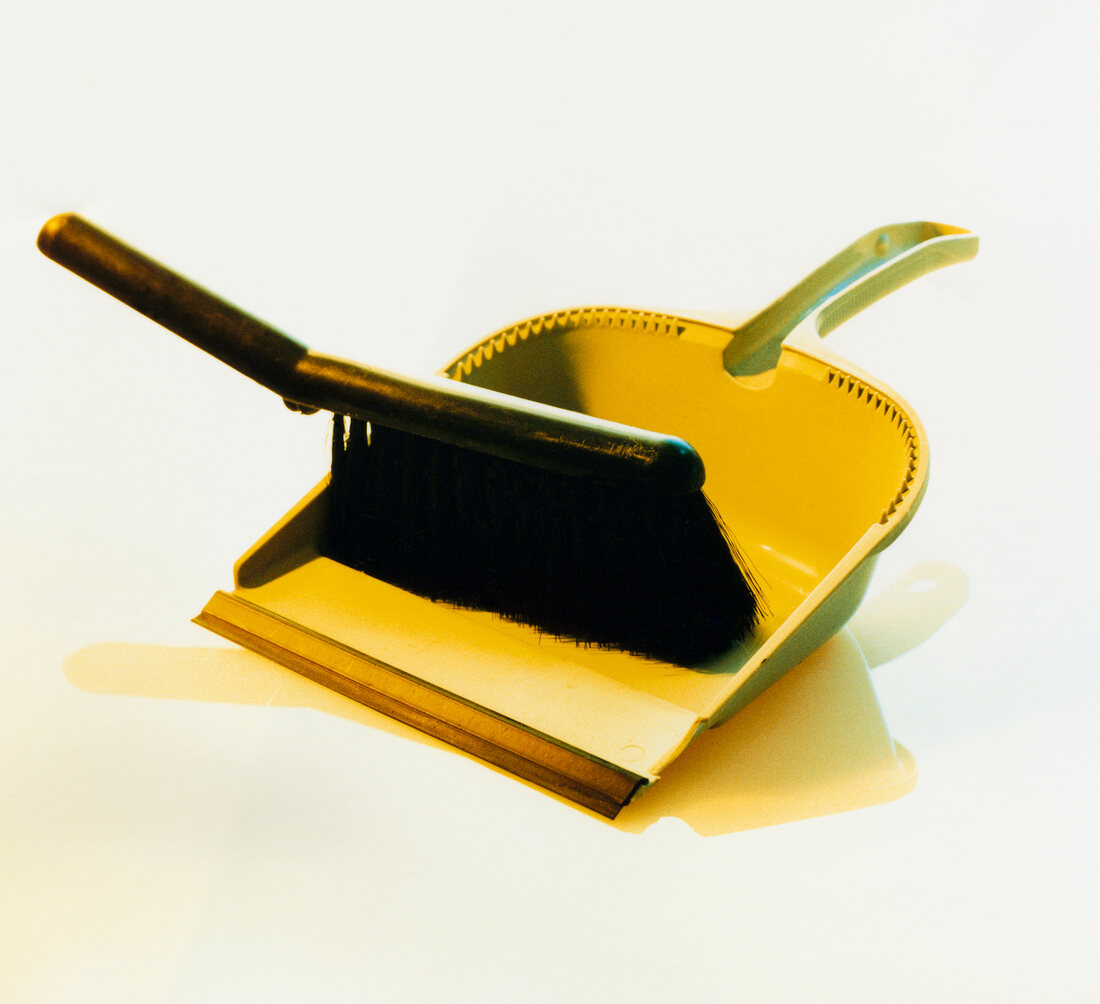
x: 813, y: 465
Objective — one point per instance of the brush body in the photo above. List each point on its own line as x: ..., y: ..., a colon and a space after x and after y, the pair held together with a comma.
x: 579, y: 527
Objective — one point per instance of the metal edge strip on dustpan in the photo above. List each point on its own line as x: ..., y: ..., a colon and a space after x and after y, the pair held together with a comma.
x: 514, y: 746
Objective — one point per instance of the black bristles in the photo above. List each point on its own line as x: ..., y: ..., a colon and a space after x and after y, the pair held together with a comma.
x: 597, y: 562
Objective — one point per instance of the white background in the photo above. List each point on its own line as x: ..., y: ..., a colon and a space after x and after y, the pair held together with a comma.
x: 392, y: 182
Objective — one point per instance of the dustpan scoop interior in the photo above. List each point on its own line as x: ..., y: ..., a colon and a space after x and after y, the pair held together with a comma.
x: 799, y: 466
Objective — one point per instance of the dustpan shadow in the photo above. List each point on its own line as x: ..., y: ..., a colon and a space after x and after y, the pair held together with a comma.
x: 815, y: 743
x: 217, y: 676
x: 909, y: 611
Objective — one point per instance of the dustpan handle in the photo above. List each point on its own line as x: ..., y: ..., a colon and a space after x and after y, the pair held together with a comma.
x: 471, y: 417
x: 881, y: 261
x: 934, y: 253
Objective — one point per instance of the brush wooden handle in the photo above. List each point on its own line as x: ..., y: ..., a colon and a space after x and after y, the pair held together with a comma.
x: 555, y: 439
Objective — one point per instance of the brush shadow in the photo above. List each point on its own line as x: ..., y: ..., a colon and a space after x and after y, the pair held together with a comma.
x: 813, y: 744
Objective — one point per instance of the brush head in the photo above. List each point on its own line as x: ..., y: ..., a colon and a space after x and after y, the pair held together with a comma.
x: 594, y: 561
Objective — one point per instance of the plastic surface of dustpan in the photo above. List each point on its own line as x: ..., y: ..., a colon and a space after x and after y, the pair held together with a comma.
x: 814, y: 465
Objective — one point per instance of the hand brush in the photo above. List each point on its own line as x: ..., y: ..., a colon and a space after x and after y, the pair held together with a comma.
x: 579, y: 527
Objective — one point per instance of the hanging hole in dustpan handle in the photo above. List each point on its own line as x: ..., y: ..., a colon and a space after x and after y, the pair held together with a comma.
x: 878, y: 263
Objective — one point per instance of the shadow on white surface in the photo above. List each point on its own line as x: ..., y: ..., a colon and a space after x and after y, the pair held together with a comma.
x: 909, y: 611
x: 815, y: 743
